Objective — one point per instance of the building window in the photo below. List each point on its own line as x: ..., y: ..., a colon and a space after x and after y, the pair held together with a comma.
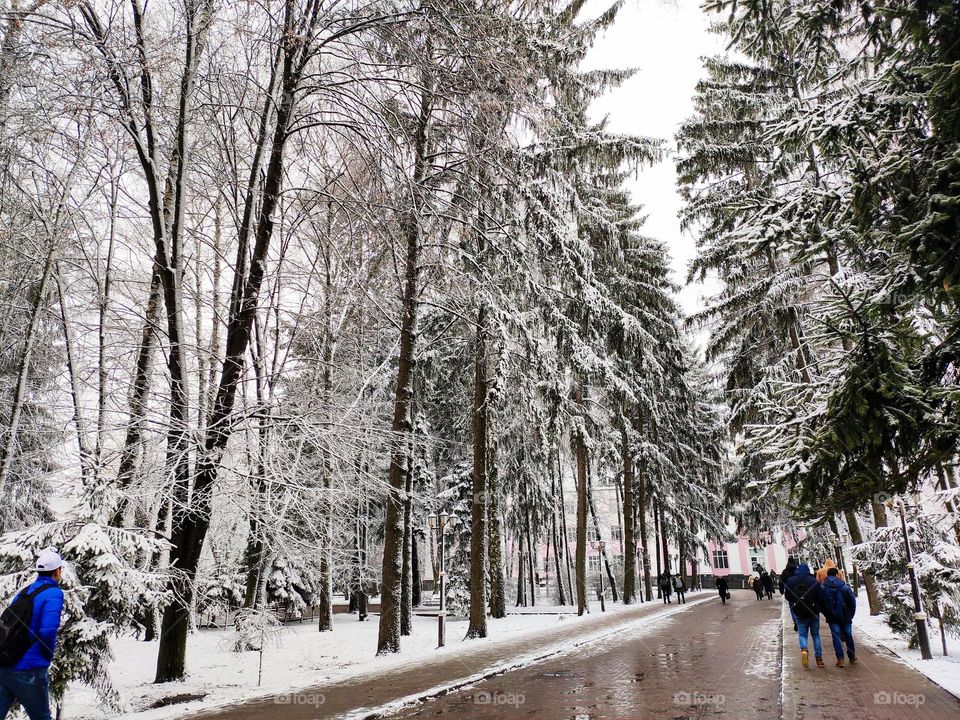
x: 593, y: 563
x: 720, y: 560
x: 592, y: 534
x: 616, y: 533
x: 606, y: 480
x: 755, y: 555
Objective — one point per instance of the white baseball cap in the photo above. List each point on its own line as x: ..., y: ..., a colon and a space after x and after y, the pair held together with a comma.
x: 49, y: 561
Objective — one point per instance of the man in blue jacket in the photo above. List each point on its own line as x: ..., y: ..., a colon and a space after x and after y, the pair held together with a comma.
x: 804, y: 594
x: 839, y: 607
x: 28, y: 680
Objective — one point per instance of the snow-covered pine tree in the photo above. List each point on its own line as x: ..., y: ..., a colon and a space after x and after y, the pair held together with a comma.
x: 936, y: 560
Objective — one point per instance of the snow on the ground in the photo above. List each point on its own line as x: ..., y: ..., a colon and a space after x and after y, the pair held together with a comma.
x: 303, y: 658
x: 945, y: 671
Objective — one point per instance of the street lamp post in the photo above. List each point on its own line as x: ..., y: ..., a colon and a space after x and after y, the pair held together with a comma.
x: 440, y: 526
x: 598, y: 546
x: 919, y: 615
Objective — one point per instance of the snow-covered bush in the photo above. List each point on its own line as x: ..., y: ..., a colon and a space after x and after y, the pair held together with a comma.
x: 291, y: 583
x: 256, y: 630
x: 219, y: 593
x: 936, y: 560
x: 104, y: 593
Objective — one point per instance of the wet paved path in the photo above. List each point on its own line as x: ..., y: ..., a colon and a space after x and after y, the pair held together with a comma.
x: 738, y: 660
x: 335, y: 699
x: 713, y: 661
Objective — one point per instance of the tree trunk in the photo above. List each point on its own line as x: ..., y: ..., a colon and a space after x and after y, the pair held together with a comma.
x: 873, y: 597
x: 8, y: 450
x: 656, y: 545
x: 663, y: 539
x: 561, y: 593
x: 406, y: 569
x: 531, y: 558
x: 629, y: 543
x: 521, y: 595
x: 644, y: 536
x: 388, y: 640
x: 87, y: 464
x: 139, y: 394
x: 478, y: 515
x: 191, y: 527
x: 567, y: 555
x: 682, y: 570
x: 498, y: 597
x: 256, y: 554
x: 416, y: 596
x: 581, y: 560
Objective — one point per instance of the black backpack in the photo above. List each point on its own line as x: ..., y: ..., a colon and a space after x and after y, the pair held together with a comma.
x: 15, y: 635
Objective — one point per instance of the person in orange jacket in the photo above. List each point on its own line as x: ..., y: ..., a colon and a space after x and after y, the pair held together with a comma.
x: 822, y: 572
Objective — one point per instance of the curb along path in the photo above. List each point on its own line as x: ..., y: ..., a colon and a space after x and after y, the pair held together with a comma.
x: 376, y: 692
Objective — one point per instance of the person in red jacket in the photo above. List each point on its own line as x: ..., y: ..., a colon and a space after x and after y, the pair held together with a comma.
x: 28, y: 681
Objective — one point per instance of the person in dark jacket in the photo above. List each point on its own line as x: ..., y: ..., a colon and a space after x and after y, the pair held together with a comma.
x: 787, y: 573
x: 839, y: 607
x: 805, y: 597
x: 757, y: 587
x: 28, y: 681
x: 767, y: 583
x: 722, y: 588
x: 665, y: 587
x: 680, y: 588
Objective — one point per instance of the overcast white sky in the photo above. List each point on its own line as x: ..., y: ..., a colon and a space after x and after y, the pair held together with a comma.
x: 665, y: 40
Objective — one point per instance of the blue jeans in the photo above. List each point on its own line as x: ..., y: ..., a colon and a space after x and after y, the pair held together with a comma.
x: 30, y: 687
x: 813, y: 627
x: 842, y: 632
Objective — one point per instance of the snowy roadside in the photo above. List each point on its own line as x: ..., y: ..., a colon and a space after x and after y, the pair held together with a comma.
x: 303, y: 658
x: 944, y: 671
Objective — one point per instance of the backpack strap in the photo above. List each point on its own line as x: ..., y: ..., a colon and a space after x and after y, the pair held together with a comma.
x: 37, y: 590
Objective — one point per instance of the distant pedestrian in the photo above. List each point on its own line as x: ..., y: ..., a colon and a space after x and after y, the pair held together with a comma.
x: 28, y: 637
x: 665, y: 588
x: 680, y: 588
x: 804, y: 595
x: 789, y: 569
x: 757, y: 586
x: 767, y: 583
x: 839, y: 607
x: 723, y: 589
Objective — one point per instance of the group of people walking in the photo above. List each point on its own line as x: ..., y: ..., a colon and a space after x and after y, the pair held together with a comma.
x: 824, y: 593
x: 761, y: 582
x: 809, y: 596
x: 670, y: 584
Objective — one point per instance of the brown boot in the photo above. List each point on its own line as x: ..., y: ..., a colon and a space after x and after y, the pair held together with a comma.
x: 805, y: 658
x: 853, y: 659
x: 840, y: 662
x: 820, y: 662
